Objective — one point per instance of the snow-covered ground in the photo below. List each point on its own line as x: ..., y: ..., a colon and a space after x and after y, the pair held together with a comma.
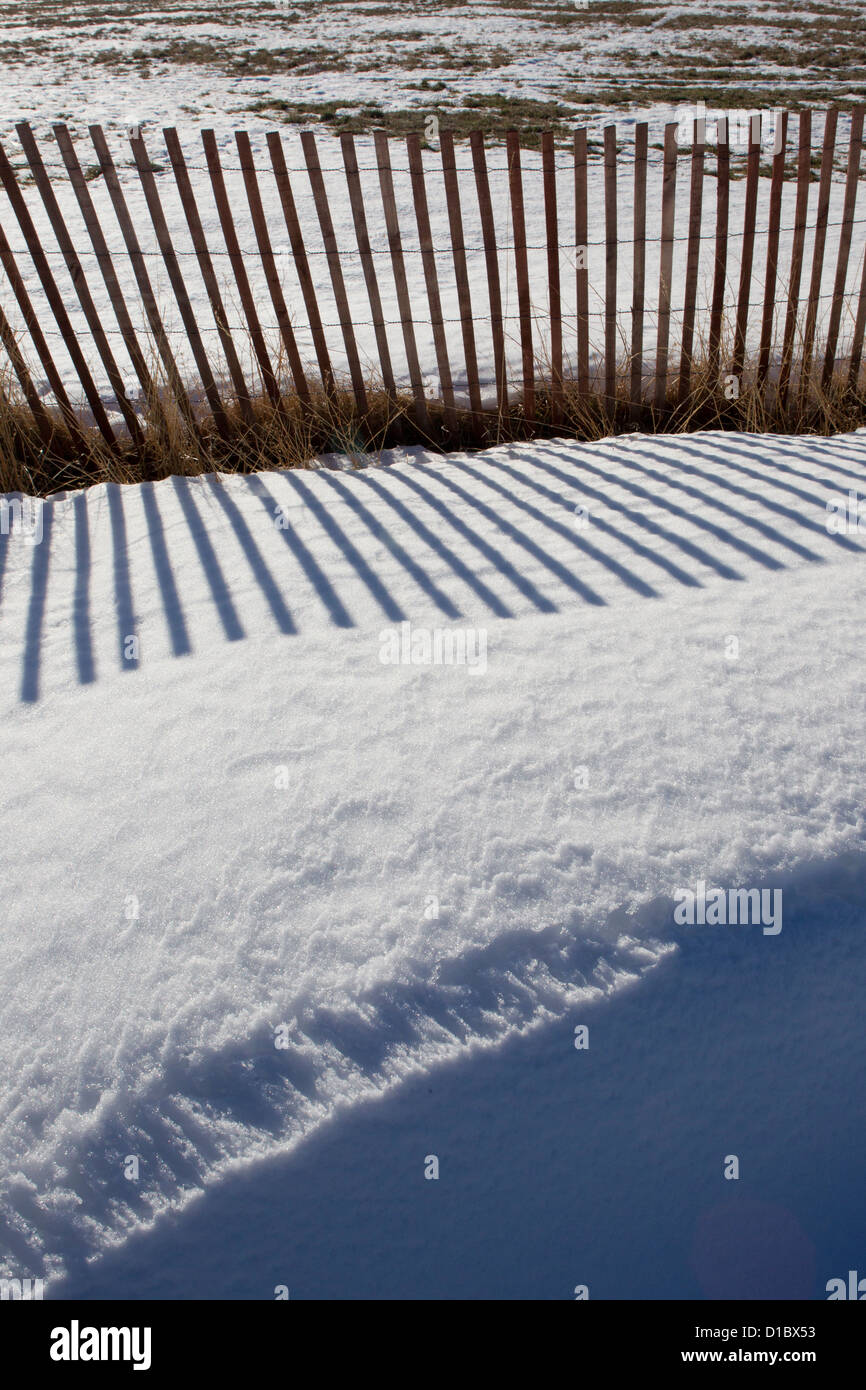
x: 256, y: 875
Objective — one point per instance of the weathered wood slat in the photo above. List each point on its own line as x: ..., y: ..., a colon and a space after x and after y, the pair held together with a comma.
x: 425, y: 237
x: 398, y: 266
x: 551, y: 236
x: 855, y: 145
x: 78, y: 277
x: 771, y: 274
x: 750, y: 211
x: 610, y: 237
x: 332, y: 255
x: 299, y: 252
x: 720, y: 263
x: 368, y: 265
x: 491, y: 258
x: 821, y: 216
x: 693, y: 253
x: 145, y: 289
x: 524, y: 303
x: 236, y: 260
x: 641, y: 144
x: 263, y: 241
x: 458, y: 249
x: 581, y: 251
x: 804, y: 175
x: 669, y: 194
x: 55, y: 299
x: 109, y: 275
x: 208, y: 274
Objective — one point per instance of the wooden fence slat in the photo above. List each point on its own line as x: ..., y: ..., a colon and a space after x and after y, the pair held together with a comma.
x: 208, y: 274
x: 332, y: 255
x: 362, y: 236
x: 641, y: 144
x: 55, y: 299
x: 581, y: 239
x: 425, y: 237
x: 154, y: 319
x: 773, y: 248
x: 491, y: 257
x: 236, y: 260
x: 855, y: 145
x: 551, y: 237
x: 524, y: 304
x: 458, y: 249
x: 753, y: 169
x: 172, y: 265
x: 299, y: 252
x: 263, y: 241
x: 804, y: 177
x: 669, y: 194
x: 54, y: 378
x: 610, y: 236
x: 106, y: 266
x: 821, y: 216
x: 610, y: 265
x: 79, y: 279
x: 693, y: 254
x: 720, y: 264
x: 13, y: 351
x: 398, y: 266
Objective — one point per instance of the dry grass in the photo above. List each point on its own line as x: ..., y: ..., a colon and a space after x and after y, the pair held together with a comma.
x: 293, y: 434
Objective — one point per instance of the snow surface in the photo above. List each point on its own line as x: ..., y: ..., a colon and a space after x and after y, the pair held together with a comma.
x: 255, y: 823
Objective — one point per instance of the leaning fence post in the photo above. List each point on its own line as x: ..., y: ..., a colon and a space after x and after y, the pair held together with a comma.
x: 693, y: 254
x: 610, y: 234
x: 641, y: 136
x: 398, y: 265
x: 518, y: 222
x: 581, y: 251
x: 551, y: 223
x: 485, y: 207
x: 669, y: 194
x: 781, y: 133
x: 425, y: 236
x: 720, y: 270
x: 753, y: 170
x: 804, y: 175
x: 821, y: 216
x: 855, y: 143
x: 458, y: 249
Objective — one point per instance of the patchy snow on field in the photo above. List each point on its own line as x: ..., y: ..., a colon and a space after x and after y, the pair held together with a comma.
x: 271, y: 847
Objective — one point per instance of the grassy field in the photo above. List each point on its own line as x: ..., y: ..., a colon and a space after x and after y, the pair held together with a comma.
x: 492, y: 63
